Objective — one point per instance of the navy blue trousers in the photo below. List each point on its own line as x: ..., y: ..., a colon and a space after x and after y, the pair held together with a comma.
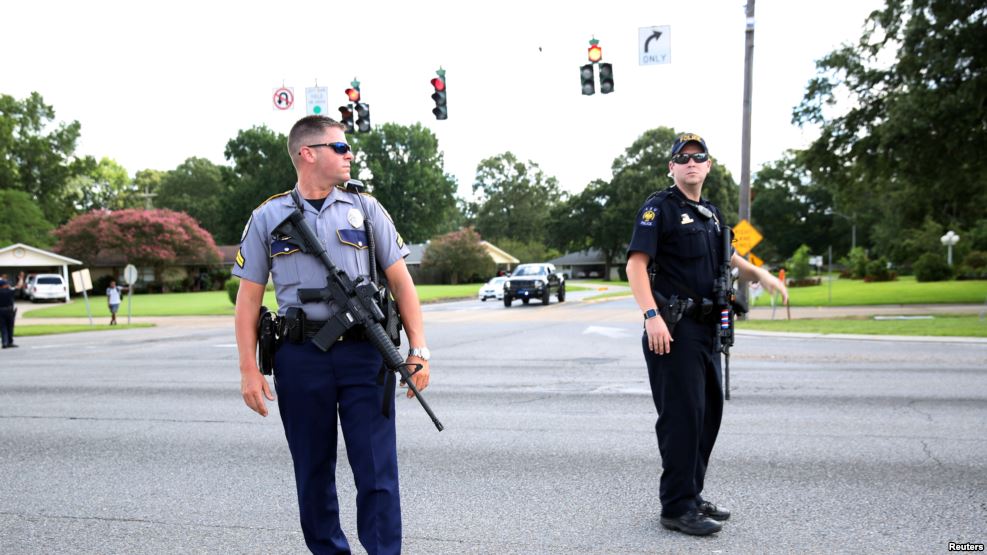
x: 312, y: 388
x: 685, y: 386
x: 7, y: 326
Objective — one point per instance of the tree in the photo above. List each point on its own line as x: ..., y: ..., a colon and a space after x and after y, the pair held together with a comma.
x: 105, y: 185
x: 908, y: 138
x: 790, y: 209
x: 515, y: 199
x: 37, y: 156
x: 146, y: 185
x: 156, y: 238
x: 602, y: 216
x: 21, y: 221
x: 458, y: 257
x: 260, y: 168
x: 407, y: 177
x: 196, y: 188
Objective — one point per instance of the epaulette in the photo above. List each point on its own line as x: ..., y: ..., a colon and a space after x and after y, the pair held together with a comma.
x: 272, y: 197
x: 342, y: 187
x: 659, y: 196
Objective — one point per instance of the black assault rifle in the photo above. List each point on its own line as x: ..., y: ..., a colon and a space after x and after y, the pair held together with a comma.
x: 725, y: 297
x: 355, y: 300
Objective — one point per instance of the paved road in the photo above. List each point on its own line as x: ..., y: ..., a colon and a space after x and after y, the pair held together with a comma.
x: 136, y: 441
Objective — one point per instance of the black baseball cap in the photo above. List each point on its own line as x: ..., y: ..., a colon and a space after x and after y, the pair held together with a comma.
x: 686, y: 138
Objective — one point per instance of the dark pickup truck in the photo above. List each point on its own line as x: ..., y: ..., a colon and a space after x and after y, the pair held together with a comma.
x: 534, y: 281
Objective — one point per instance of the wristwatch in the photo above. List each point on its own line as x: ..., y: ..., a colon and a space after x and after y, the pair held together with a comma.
x: 650, y: 313
x: 420, y: 352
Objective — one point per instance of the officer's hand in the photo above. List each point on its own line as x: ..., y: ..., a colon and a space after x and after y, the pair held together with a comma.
x: 774, y: 285
x: 420, y: 378
x: 659, y: 340
x: 254, y: 387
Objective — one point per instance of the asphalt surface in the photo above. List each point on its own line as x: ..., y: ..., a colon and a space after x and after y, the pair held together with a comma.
x: 137, y: 441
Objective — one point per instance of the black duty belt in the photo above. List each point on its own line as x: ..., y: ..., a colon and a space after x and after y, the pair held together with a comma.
x: 312, y: 327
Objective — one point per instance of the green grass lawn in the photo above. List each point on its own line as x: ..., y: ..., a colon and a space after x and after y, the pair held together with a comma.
x: 945, y: 325
x: 22, y: 330
x: 211, y: 303
x: 905, y: 290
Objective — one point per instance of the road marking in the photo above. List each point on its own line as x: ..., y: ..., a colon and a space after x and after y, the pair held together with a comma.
x: 614, y: 333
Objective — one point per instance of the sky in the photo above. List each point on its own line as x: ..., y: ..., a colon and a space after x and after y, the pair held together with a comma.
x: 154, y: 83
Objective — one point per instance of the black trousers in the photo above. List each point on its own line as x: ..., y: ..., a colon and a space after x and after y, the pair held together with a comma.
x: 685, y: 386
x: 6, y: 326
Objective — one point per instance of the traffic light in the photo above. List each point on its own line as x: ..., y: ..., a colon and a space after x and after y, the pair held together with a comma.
x: 606, y: 78
x: 362, y: 117
x: 441, y: 111
x: 346, y: 117
x: 353, y: 94
x: 586, y: 75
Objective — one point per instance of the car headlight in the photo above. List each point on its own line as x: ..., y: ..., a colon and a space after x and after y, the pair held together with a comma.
x: 507, y: 285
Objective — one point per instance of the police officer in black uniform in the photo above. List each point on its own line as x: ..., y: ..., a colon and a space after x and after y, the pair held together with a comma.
x: 320, y: 390
x: 677, y: 239
x: 7, y: 312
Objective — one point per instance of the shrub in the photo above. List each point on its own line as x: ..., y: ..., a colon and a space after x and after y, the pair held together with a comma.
x: 877, y: 270
x: 232, y: 286
x: 799, y: 264
x: 932, y: 267
x: 974, y: 266
x: 856, y: 262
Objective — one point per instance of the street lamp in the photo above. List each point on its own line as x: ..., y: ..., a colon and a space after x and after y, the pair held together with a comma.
x: 949, y: 239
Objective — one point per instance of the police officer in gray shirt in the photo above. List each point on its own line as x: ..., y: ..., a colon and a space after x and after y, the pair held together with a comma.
x: 314, y: 386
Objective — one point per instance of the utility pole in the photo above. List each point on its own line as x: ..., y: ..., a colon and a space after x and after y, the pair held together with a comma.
x: 745, y: 142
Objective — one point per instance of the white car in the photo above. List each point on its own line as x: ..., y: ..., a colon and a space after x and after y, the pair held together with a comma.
x: 47, y: 287
x: 493, y: 289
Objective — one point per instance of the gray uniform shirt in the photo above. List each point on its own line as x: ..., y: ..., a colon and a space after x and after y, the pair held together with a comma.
x: 340, y: 227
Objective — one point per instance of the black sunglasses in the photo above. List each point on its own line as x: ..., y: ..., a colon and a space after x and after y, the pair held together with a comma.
x: 699, y: 157
x: 338, y: 148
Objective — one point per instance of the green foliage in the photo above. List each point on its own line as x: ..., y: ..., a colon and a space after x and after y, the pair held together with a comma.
x: 196, y: 188
x: 789, y: 209
x: 408, y: 179
x: 104, y: 186
x: 602, y: 215
x: 458, y: 257
x: 232, y: 286
x: 260, y: 168
x: 516, y: 199
x: 913, y: 85
x: 856, y: 262
x: 37, y: 156
x: 21, y: 221
x: 877, y: 270
x: 798, y: 265
x: 932, y: 267
x: 528, y: 251
x: 974, y: 266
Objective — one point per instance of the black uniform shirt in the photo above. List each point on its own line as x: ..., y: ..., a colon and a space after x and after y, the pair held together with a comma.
x: 6, y: 297
x: 684, y: 245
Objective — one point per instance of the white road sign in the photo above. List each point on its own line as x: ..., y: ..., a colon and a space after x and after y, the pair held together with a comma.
x: 654, y: 45
x: 82, y: 280
x: 130, y: 274
x: 317, y: 101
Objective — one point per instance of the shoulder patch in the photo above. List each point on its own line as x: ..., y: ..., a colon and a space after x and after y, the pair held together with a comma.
x: 246, y: 228
x: 239, y: 258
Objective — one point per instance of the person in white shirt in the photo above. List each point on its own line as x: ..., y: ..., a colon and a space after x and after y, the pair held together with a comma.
x: 113, y: 300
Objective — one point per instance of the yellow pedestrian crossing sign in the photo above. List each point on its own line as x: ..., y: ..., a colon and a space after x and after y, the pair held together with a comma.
x: 745, y: 237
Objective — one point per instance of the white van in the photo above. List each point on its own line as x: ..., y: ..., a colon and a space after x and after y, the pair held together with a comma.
x: 47, y: 287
